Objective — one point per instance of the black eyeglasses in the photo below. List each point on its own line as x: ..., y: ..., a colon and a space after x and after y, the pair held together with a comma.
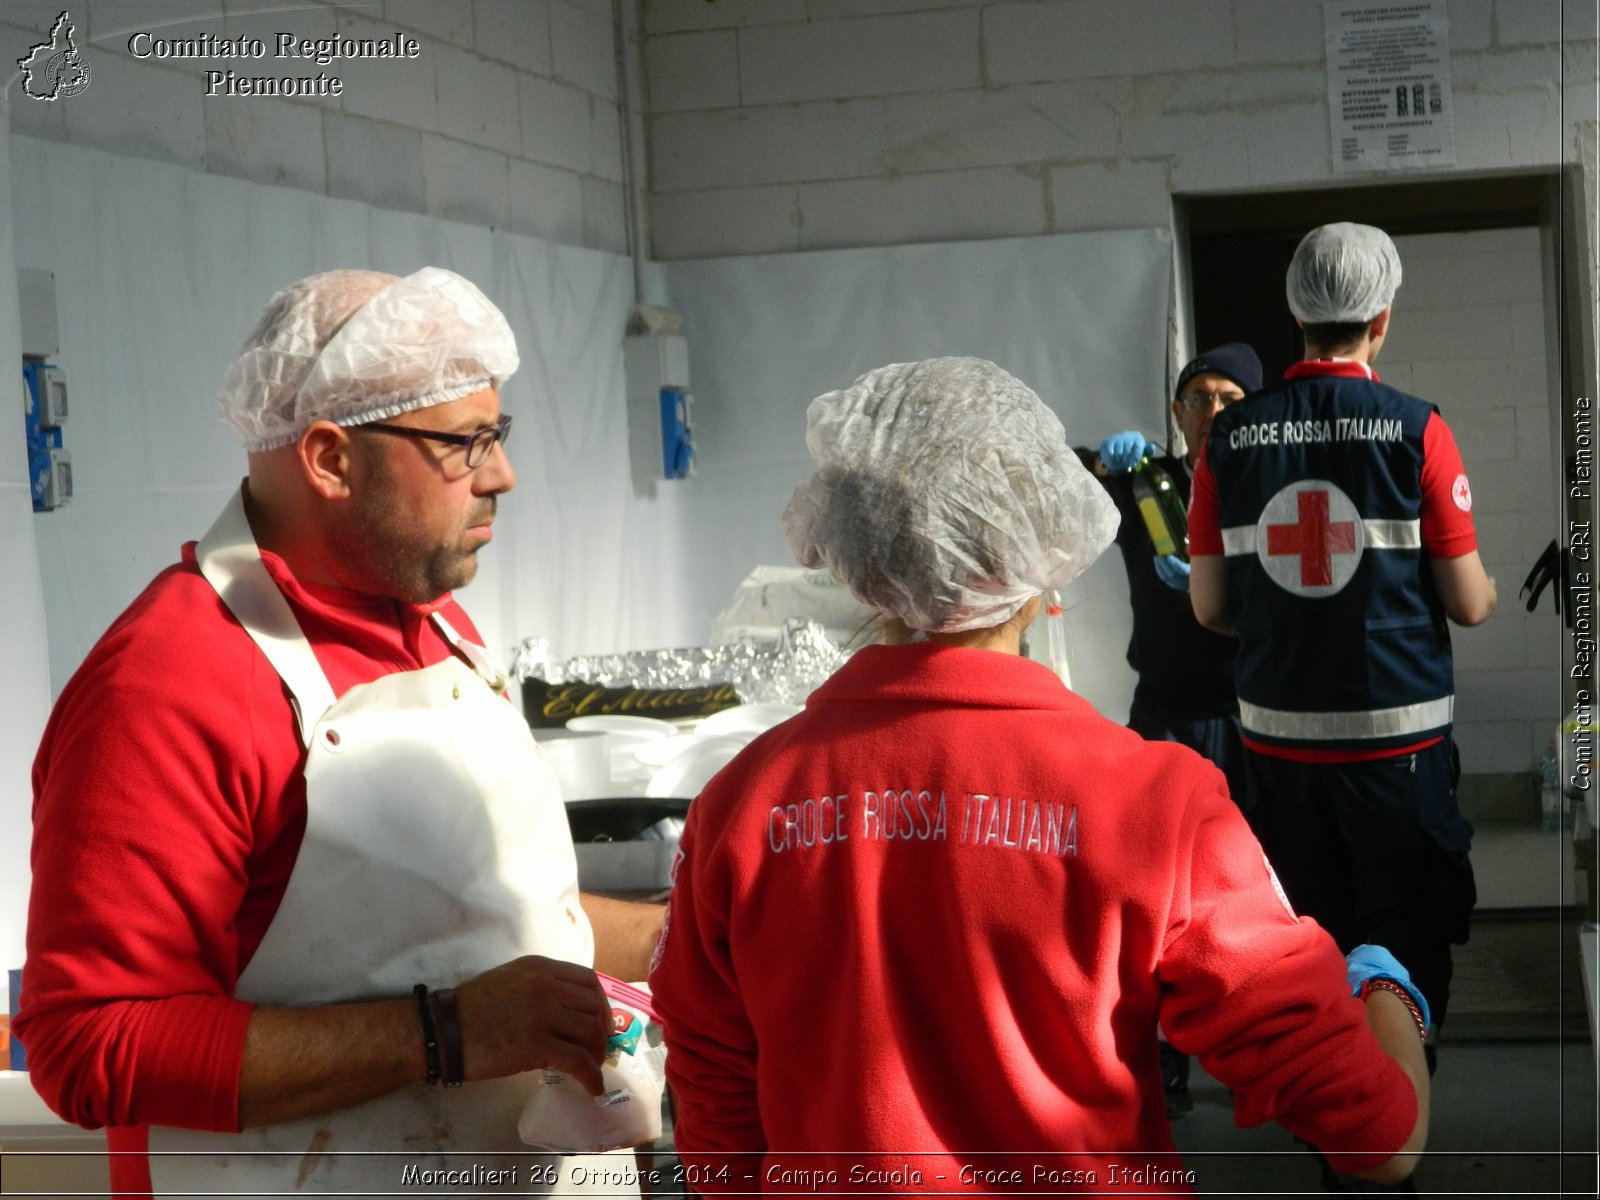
x: 1201, y: 401
x: 480, y: 443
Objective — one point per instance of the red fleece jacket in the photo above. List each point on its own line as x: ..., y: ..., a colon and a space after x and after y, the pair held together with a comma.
x: 941, y: 913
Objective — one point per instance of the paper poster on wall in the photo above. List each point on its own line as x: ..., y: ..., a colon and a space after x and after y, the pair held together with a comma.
x: 1389, y: 84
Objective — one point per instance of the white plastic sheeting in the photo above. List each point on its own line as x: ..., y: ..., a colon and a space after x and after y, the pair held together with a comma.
x: 25, y: 677
x: 160, y: 273
x: 1081, y: 318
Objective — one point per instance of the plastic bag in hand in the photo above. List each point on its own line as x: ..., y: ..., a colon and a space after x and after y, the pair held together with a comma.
x: 561, y: 1116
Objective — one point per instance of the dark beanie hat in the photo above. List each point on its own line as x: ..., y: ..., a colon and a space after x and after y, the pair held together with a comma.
x: 1235, y: 361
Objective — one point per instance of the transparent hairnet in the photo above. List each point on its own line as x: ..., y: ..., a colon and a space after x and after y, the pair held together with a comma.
x: 1342, y: 272
x: 946, y: 495
x: 357, y: 346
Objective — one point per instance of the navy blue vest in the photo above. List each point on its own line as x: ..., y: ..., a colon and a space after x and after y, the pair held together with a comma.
x: 1342, y: 639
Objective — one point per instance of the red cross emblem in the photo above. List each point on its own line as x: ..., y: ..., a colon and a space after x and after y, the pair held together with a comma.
x: 1314, y: 538
x: 1309, y: 538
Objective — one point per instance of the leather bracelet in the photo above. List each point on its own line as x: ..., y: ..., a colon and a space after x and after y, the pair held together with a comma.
x: 430, y: 1041
x: 451, y: 1053
x: 1389, y: 985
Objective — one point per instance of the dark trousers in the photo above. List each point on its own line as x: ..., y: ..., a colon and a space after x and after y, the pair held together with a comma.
x: 1374, y: 852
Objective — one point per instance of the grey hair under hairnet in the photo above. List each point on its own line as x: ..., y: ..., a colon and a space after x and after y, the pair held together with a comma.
x: 946, y: 495
x: 1342, y: 272
x: 357, y: 346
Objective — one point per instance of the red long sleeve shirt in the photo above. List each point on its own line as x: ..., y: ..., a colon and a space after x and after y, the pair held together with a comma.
x: 168, y: 810
x: 941, y: 913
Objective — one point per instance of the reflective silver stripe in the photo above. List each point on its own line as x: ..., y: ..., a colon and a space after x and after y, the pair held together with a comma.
x: 1347, y: 726
x: 1376, y: 535
x: 1241, y: 539
x: 1392, y: 535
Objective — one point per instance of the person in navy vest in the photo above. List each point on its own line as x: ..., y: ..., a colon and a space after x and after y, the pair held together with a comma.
x: 1185, y: 688
x: 1331, y: 531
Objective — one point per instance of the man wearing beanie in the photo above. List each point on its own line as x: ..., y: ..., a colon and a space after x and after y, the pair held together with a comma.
x: 1185, y: 688
x: 1331, y: 530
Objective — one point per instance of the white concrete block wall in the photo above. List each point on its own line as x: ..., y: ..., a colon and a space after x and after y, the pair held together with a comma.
x: 758, y: 108
x: 555, y: 124
x: 929, y: 208
x: 981, y: 127
x: 373, y: 161
x: 549, y: 201
x: 515, y: 32
x: 507, y: 118
x: 863, y: 56
x: 485, y: 114
x: 1468, y: 335
x: 466, y: 184
x: 283, y: 146
x: 1028, y: 42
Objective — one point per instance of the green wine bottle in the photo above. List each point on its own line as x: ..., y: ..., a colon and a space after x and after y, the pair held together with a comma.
x: 1159, y: 504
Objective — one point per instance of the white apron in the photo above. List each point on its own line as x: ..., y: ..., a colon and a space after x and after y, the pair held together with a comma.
x: 436, y: 847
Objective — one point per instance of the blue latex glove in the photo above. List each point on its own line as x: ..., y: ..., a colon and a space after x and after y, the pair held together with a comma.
x: 1374, y: 962
x: 1172, y: 571
x: 1122, y: 451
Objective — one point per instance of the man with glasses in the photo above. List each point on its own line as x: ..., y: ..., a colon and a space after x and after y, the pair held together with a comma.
x: 1331, y: 529
x: 1184, y: 691
x: 1185, y: 687
x: 303, y: 888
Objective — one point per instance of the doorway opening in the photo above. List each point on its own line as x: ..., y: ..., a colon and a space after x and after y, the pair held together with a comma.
x: 1238, y: 247
x: 1491, y: 325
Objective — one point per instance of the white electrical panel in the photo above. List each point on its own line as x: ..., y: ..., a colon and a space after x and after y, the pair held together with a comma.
x: 660, y: 440
x: 52, y: 397
x: 652, y: 361
x: 59, y: 489
x: 36, y: 294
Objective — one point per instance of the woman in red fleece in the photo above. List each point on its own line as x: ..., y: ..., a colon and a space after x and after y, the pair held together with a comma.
x: 922, y: 934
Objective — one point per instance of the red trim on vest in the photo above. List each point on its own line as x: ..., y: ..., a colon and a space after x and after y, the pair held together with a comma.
x: 1345, y: 368
x: 1312, y: 754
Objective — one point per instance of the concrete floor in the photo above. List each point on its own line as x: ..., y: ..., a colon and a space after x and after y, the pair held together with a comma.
x: 1509, y: 1118
x: 1514, y: 1100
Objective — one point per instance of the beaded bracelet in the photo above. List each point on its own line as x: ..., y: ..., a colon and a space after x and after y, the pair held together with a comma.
x: 1389, y: 985
x: 451, y: 1053
x: 430, y: 1042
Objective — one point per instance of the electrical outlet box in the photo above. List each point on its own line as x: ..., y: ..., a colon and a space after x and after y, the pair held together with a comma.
x: 52, y: 397
x: 58, y: 490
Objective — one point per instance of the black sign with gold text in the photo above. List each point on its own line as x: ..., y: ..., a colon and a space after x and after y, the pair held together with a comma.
x: 550, y: 705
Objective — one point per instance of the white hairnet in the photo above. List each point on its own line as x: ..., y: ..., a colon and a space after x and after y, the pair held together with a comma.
x: 357, y: 346
x: 946, y: 495
x: 1342, y: 272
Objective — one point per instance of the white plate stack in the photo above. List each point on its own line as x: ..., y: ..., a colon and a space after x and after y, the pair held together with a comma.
x: 682, y: 765
x: 610, y: 756
x: 622, y: 735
